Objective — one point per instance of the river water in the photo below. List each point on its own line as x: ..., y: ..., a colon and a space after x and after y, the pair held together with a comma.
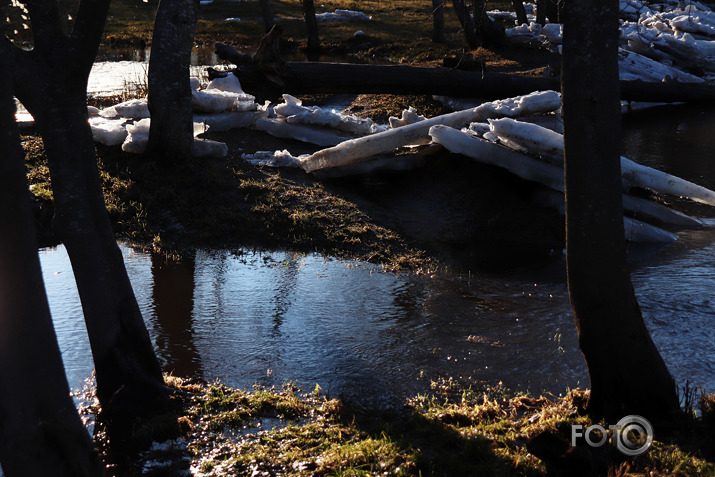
x: 267, y: 317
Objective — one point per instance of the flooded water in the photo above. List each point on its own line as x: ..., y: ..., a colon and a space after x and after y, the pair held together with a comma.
x: 268, y: 317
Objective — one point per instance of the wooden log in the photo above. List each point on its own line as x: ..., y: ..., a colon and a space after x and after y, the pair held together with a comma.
x: 313, y: 77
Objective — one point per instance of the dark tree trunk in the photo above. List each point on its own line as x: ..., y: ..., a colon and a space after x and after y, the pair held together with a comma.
x: 51, y: 81
x: 550, y: 9
x: 311, y: 25
x: 465, y: 19
x: 628, y: 376
x: 479, y: 12
x: 438, y: 21
x: 40, y: 430
x: 520, y: 12
x: 541, y: 12
x: 267, y: 14
x: 171, y: 134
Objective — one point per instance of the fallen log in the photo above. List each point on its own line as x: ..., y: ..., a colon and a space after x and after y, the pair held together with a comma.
x: 313, y: 77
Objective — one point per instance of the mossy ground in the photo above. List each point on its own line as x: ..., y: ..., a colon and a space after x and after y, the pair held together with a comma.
x: 453, y: 430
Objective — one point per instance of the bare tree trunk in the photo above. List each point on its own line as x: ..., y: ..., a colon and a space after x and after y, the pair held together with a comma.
x: 520, y: 12
x: 311, y: 25
x: 541, y: 12
x: 171, y: 133
x: 628, y: 376
x: 465, y: 19
x: 40, y: 430
x: 438, y: 21
x: 267, y: 14
x: 51, y: 81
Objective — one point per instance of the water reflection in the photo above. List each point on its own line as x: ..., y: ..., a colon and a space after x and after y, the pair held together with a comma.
x: 173, y: 300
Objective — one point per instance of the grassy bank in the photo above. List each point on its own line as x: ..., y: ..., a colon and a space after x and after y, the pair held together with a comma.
x: 450, y: 431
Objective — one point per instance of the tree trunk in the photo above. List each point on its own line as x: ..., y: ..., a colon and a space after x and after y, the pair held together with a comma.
x: 438, y: 21
x: 171, y: 134
x: 51, y: 81
x: 311, y: 25
x: 541, y: 12
x: 40, y: 430
x: 521, y: 18
x: 628, y: 376
x: 267, y: 14
x: 465, y: 19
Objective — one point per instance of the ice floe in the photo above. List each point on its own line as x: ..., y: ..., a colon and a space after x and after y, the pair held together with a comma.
x: 678, y: 36
x: 342, y: 15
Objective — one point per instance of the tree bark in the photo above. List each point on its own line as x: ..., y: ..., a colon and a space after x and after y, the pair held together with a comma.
x: 438, y: 21
x: 465, y: 19
x: 171, y: 134
x: 541, y: 12
x: 40, y: 430
x: 628, y: 376
x: 521, y: 18
x: 311, y: 25
x: 51, y: 81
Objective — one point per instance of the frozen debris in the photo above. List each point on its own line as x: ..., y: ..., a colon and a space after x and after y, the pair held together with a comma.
x: 228, y: 83
x: 108, y: 131
x: 679, y: 35
x: 533, y: 170
x: 367, y: 146
x: 230, y: 120
x: 340, y: 15
x: 273, y: 159
x: 320, y: 136
x: 295, y: 113
x: 209, y: 148
x: 132, y: 109
x: 540, y: 140
x: 138, y: 137
x: 639, y: 231
x: 409, y: 116
x: 217, y: 101
x: 232, y: 20
x: 633, y: 66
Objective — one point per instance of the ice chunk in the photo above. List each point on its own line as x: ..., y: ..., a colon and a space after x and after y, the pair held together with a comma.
x: 290, y: 106
x: 209, y: 148
x: 409, y: 116
x: 273, y: 159
x: 533, y: 170
x: 634, y: 174
x: 341, y: 15
x: 229, y: 83
x: 295, y: 113
x: 217, y: 101
x: 137, y: 137
x: 361, y: 148
x: 132, y: 109
x: 230, y: 120
x: 110, y: 132
x: 301, y: 132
